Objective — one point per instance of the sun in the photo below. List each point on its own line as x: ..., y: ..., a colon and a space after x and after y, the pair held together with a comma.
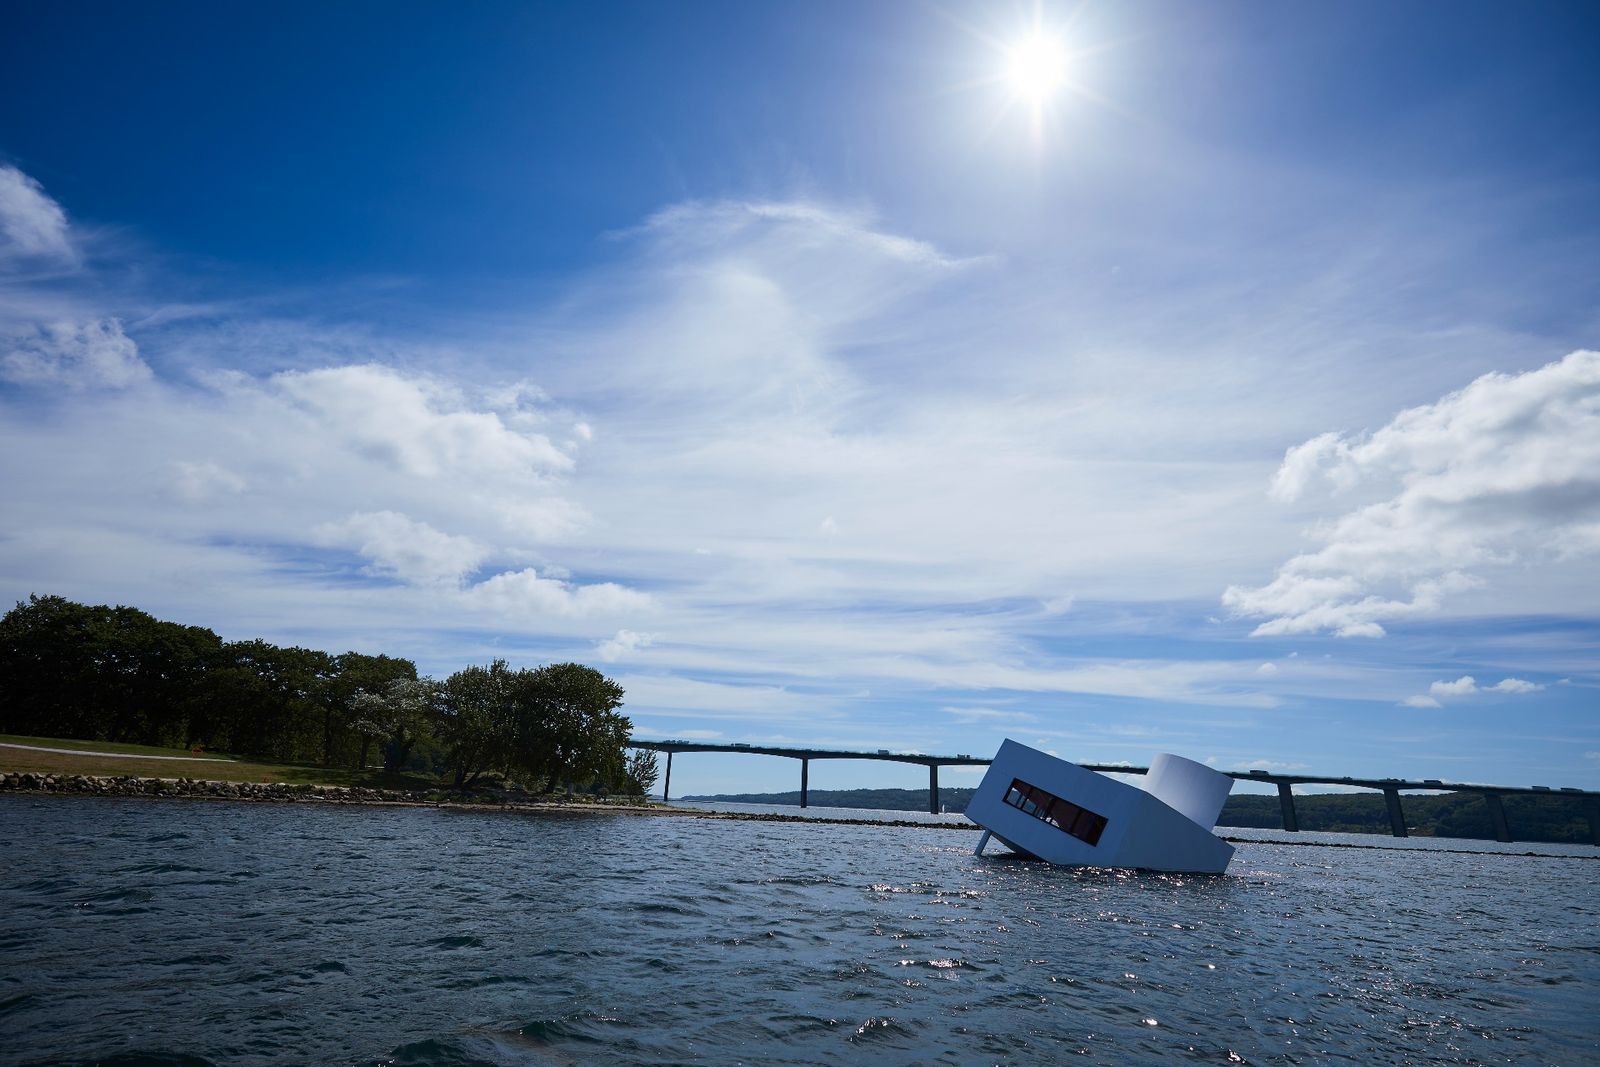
x: 1036, y: 67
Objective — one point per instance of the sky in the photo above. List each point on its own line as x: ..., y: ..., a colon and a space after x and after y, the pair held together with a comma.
x: 1227, y: 386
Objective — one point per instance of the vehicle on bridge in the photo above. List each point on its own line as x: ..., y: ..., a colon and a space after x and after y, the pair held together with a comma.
x: 1046, y: 808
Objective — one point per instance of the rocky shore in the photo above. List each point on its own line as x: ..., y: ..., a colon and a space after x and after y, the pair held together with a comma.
x: 281, y: 792
x: 131, y: 786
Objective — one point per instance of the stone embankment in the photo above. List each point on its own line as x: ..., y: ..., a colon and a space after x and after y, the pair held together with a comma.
x: 129, y: 786
x: 190, y: 787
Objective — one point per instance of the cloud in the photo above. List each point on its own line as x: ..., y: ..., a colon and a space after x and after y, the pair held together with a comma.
x: 31, y: 224
x: 1467, y: 686
x: 624, y: 643
x: 1505, y: 472
x: 423, y: 426
x: 721, y: 223
x: 403, y: 548
x: 1462, y: 686
x: 73, y: 355
x: 199, y: 481
x: 988, y: 715
x: 1280, y: 766
x: 524, y: 594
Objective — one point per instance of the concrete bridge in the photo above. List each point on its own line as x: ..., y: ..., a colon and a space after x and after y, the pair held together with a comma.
x: 1285, y: 783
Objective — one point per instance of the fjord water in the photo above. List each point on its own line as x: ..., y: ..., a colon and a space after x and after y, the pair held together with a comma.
x: 173, y: 932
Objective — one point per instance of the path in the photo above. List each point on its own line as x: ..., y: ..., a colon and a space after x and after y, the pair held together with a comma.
x: 114, y: 755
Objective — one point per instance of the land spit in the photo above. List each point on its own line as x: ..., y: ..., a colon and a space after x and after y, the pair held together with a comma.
x: 284, y: 793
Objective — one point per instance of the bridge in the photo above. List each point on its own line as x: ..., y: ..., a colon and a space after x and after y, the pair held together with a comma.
x: 1285, y: 783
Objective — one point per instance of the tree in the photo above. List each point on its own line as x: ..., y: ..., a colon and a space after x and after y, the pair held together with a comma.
x: 642, y: 771
x: 354, y: 673
x: 103, y: 673
x: 400, y: 713
x: 263, y: 700
x: 565, y: 726
x: 474, y: 720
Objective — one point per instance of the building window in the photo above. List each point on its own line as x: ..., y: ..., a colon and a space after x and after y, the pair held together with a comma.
x: 1064, y: 815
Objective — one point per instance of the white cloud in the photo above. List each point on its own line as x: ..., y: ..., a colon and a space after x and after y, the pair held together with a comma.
x: 1467, y: 686
x: 988, y: 715
x: 524, y: 595
x: 199, y: 481
x: 622, y: 644
x: 74, y: 355
x: 720, y: 223
x: 1267, y: 669
x: 1514, y: 685
x: 31, y: 223
x: 425, y: 427
x: 1279, y: 766
x: 1505, y: 472
x: 1463, y: 686
x: 400, y: 547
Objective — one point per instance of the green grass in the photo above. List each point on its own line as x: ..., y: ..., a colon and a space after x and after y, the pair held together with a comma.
x: 31, y: 760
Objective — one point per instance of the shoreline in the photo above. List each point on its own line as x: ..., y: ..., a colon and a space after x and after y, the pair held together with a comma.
x: 28, y: 783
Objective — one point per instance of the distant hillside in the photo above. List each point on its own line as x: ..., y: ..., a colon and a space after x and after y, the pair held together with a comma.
x: 1551, y: 818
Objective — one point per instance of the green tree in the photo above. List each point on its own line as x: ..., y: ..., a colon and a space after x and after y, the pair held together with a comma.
x: 475, y: 719
x: 643, y: 770
x: 355, y: 672
x: 400, y: 714
x: 70, y: 670
x: 264, y: 700
x: 566, y: 727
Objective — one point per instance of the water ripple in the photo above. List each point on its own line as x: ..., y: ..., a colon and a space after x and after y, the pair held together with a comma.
x: 240, y: 934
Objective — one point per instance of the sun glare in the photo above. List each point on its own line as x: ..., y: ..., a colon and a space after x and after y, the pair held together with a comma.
x: 1036, y: 67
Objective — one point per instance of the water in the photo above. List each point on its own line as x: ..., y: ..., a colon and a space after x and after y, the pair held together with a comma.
x: 1232, y: 833
x: 146, y: 931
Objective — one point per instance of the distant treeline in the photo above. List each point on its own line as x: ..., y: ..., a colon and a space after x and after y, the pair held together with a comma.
x: 118, y: 674
x: 1552, y: 818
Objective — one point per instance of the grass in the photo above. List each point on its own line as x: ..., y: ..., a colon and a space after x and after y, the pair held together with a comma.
x: 30, y: 760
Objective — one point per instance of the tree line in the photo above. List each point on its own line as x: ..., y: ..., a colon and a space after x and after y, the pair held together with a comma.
x: 118, y: 674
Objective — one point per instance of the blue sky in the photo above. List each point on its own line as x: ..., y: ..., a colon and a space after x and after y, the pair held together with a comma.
x: 1232, y: 397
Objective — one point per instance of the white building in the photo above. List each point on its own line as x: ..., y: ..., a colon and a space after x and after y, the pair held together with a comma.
x: 1046, y: 808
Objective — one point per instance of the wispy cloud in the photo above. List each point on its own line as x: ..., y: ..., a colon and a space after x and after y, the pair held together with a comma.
x: 31, y: 223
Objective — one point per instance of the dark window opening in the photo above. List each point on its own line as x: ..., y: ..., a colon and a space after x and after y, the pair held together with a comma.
x: 1064, y: 815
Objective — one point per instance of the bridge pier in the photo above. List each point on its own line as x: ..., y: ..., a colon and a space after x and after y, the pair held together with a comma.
x: 666, y: 786
x: 805, y: 776
x: 1497, y: 817
x: 1397, y: 818
x: 1286, y: 802
x: 933, y: 789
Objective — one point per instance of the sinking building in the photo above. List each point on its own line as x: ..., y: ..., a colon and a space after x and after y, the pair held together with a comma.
x: 1046, y: 808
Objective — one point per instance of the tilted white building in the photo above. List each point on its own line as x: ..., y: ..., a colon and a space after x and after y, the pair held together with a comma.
x: 1046, y: 808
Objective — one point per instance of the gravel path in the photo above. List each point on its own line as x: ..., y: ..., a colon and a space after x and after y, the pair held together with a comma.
x: 113, y: 755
